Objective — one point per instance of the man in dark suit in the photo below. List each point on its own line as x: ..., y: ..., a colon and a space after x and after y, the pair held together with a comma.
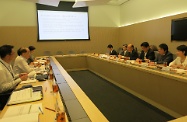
x: 164, y: 55
x: 131, y: 53
x: 146, y: 53
x: 124, y: 50
x: 111, y: 50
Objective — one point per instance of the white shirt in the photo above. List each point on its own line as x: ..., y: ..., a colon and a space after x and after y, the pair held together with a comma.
x: 145, y: 53
x: 125, y: 52
x: 177, y: 61
x: 21, y: 66
x: 7, y: 81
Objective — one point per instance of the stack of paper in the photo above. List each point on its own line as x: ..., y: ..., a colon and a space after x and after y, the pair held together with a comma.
x: 28, y: 81
x: 25, y: 95
x: 23, y: 113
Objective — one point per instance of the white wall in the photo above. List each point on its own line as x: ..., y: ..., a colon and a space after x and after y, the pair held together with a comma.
x: 136, y: 11
x: 23, y: 13
x: 105, y: 15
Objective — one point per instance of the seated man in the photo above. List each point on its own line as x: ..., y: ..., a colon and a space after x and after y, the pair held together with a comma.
x: 8, y: 79
x: 31, y: 58
x: 164, y: 55
x: 131, y: 53
x: 146, y: 53
x: 124, y: 50
x: 21, y: 65
x: 111, y: 50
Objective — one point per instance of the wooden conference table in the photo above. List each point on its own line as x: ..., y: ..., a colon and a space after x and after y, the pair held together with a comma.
x: 163, y: 89
x: 78, y: 107
x: 47, y: 101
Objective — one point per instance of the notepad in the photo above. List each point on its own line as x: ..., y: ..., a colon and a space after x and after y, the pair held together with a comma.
x: 22, y: 110
x: 22, y: 113
x: 25, y: 95
x: 22, y: 118
x: 28, y: 81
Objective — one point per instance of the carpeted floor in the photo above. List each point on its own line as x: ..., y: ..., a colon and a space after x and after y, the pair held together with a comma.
x: 116, y: 104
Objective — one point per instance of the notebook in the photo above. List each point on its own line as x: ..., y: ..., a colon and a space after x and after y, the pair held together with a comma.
x: 22, y: 113
x: 26, y: 95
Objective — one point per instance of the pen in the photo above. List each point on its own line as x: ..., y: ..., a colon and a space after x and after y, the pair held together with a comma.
x: 29, y: 109
x: 40, y: 110
x: 50, y: 109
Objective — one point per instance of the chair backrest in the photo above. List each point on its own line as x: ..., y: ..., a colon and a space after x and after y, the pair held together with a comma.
x: 59, y: 53
x: 47, y: 53
x: 71, y: 52
x: 82, y: 52
x: 174, y: 56
x: 119, y: 50
x: 156, y: 54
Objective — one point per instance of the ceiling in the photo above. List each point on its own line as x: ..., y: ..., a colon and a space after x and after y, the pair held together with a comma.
x: 100, y: 2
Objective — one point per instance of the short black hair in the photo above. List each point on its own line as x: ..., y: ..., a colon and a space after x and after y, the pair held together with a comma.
x: 145, y: 44
x: 21, y: 50
x: 31, y: 48
x: 5, y: 50
x: 164, y: 47
x: 182, y: 48
x: 109, y: 46
x: 125, y: 45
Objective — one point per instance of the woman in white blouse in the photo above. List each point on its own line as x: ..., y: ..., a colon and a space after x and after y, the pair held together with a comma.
x: 181, y: 60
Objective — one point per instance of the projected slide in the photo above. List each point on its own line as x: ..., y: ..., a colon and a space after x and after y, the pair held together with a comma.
x: 62, y: 25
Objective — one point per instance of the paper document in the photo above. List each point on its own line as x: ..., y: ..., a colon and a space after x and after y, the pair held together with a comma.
x: 22, y: 118
x: 22, y: 110
x: 25, y: 95
x: 28, y: 81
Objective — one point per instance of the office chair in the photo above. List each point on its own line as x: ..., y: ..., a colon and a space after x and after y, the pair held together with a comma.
x: 59, y: 53
x: 71, y: 52
x: 47, y: 53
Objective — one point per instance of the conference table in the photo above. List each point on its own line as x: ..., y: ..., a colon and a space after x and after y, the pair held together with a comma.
x: 163, y: 89
x: 71, y: 99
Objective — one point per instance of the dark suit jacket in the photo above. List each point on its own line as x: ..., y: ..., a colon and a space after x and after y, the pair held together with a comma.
x: 123, y: 53
x: 168, y: 57
x: 133, y: 55
x: 113, y: 52
x: 150, y: 55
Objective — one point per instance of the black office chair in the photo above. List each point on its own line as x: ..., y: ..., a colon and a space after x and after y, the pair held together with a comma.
x: 47, y: 53
x: 71, y: 52
x: 59, y: 53
x: 4, y: 98
x: 82, y: 52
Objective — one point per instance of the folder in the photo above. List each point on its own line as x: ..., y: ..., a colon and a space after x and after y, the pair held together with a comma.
x: 22, y: 113
x: 26, y: 95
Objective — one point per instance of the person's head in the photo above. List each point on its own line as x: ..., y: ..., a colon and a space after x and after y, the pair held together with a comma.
x: 163, y: 49
x: 145, y: 46
x: 24, y: 52
x: 153, y: 47
x: 7, y: 53
x: 32, y: 49
x: 130, y: 47
x: 181, y: 50
x: 110, y: 47
x: 124, y: 47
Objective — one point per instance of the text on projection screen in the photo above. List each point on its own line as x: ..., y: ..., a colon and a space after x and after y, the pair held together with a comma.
x: 56, y: 25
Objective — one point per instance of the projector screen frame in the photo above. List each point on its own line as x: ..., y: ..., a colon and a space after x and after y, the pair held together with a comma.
x: 63, y: 6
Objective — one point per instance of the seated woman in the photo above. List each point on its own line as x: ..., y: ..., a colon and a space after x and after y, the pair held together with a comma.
x: 181, y: 60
